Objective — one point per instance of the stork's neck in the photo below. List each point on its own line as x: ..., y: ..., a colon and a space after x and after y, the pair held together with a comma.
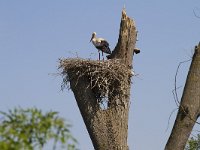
x: 94, y: 38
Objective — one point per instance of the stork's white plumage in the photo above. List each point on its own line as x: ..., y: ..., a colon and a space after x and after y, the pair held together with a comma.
x: 101, y: 44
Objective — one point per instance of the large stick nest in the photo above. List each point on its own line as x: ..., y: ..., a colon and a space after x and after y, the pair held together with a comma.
x: 106, y: 78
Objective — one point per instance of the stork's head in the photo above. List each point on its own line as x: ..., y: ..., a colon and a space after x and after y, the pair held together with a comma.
x: 93, y: 36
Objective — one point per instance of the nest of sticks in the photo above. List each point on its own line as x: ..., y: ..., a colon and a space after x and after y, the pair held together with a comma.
x: 106, y: 78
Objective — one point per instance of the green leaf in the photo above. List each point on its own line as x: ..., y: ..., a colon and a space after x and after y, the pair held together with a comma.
x: 32, y: 129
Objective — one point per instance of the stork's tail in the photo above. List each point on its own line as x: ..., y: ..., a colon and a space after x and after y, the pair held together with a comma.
x: 107, y: 50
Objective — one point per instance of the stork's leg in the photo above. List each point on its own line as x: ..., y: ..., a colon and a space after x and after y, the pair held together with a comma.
x: 102, y: 55
x: 99, y: 56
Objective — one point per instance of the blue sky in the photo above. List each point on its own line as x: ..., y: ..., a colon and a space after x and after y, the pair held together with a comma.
x: 35, y: 34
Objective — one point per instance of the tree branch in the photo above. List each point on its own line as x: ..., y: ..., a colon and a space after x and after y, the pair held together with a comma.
x: 189, y: 108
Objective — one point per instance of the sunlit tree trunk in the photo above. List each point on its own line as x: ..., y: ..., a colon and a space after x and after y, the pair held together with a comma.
x: 108, y: 128
x: 189, y: 108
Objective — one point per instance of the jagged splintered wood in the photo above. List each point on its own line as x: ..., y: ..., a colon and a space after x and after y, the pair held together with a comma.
x: 189, y: 109
x: 108, y: 128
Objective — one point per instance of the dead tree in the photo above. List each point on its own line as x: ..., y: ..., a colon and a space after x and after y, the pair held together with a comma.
x: 189, y: 109
x: 107, y: 82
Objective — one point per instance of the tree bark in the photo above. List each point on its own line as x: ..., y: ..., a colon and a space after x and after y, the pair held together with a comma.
x: 189, y: 109
x: 108, y: 128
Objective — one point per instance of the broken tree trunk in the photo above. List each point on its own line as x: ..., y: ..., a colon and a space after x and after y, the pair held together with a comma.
x: 189, y: 109
x: 108, y: 127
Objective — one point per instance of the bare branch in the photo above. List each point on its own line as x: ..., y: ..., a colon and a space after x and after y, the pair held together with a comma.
x: 170, y: 118
x: 189, y: 108
x: 196, y: 13
x: 175, y: 82
x: 175, y: 91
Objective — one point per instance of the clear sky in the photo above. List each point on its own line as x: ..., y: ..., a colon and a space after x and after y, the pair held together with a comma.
x: 35, y: 34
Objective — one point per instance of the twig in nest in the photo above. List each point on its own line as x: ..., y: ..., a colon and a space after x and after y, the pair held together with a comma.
x: 110, y: 77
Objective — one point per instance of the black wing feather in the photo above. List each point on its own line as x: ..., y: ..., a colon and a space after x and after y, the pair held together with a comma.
x: 106, y: 48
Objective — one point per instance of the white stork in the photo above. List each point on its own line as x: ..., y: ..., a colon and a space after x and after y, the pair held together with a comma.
x: 101, y: 44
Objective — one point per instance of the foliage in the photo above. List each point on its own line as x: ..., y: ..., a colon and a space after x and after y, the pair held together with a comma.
x: 31, y: 129
x: 193, y: 143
